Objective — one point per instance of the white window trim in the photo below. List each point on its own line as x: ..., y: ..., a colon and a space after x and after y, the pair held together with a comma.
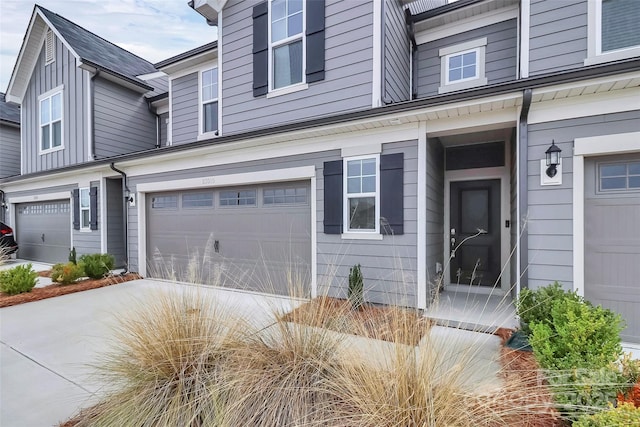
x: 201, y: 102
x: 357, y: 233
x: 301, y: 36
x: 594, y: 39
x: 50, y: 94
x: 84, y: 227
x: 479, y: 46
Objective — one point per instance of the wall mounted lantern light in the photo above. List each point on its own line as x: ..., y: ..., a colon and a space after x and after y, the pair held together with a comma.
x: 553, y: 159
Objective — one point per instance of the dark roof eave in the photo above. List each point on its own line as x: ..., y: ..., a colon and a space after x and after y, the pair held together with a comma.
x: 443, y: 9
x: 496, y: 89
x: 135, y: 82
x: 158, y: 97
x: 185, y: 55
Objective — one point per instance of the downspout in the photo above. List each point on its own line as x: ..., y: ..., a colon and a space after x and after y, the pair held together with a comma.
x: 523, y: 197
x: 93, y: 115
x: 412, y: 51
x: 126, y: 196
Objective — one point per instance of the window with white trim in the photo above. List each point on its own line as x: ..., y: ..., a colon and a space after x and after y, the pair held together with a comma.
x: 613, y: 30
x: 619, y: 176
x: 209, y: 100
x: 51, y: 122
x: 361, y: 204
x: 462, y: 66
x: 286, y: 47
x: 85, y: 209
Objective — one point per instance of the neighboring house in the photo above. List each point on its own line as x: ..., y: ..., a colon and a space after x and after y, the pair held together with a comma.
x: 9, y: 145
x: 316, y: 135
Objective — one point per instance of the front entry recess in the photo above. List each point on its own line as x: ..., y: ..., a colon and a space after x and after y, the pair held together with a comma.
x: 474, y: 209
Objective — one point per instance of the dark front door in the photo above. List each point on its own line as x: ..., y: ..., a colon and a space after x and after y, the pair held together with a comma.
x: 475, y: 208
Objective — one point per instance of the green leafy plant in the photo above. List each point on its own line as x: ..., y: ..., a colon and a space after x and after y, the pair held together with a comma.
x: 356, y: 287
x: 534, y: 306
x: 66, y: 274
x: 17, y: 280
x: 72, y: 255
x: 624, y: 414
x: 96, y: 266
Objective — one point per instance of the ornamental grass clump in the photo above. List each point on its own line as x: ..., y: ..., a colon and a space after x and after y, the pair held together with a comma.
x: 17, y: 280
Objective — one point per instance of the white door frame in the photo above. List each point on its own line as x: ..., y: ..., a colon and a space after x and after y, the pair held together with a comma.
x: 501, y: 173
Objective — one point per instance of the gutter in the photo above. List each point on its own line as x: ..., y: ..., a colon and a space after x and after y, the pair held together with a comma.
x: 126, y: 194
x: 523, y: 196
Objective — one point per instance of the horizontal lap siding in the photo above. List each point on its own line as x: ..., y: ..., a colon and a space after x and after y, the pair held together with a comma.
x: 62, y: 71
x: 348, y: 70
x: 389, y: 266
x: 396, y: 54
x: 123, y: 123
x: 184, y: 109
x: 10, y: 149
x: 500, y: 55
x: 558, y: 35
x: 550, y: 214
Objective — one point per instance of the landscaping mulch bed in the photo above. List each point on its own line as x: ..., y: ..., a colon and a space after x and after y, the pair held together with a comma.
x: 56, y: 290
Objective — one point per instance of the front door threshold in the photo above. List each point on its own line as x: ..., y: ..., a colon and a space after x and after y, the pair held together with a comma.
x: 475, y: 289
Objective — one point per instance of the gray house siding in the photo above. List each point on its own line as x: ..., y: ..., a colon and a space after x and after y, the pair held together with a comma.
x: 500, y: 55
x: 88, y: 241
x: 10, y: 149
x: 122, y: 120
x: 558, y: 35
x: 397, y: 51
x: 163, y: 129
x: 435, y: 208
x: 184, y: 109
x: 550, y: 215
x: 348, y: 69
x: 62, y: 71
x: 114, y: 221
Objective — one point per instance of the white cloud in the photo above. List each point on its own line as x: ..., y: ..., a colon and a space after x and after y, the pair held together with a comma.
x: 152, y: 29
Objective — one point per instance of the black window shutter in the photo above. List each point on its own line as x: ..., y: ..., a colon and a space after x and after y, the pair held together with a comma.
x: 93, y: 208
x: 76, y: 209
x: 392, y: 194
x: 315, y: 40
x: 333, y: 197
x: 260, y: 49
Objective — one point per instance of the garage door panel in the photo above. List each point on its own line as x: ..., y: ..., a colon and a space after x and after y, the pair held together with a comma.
x: 43, y: 231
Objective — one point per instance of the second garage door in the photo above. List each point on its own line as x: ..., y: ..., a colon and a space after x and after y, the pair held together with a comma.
x: 251, y: 237
x: 43, y: 231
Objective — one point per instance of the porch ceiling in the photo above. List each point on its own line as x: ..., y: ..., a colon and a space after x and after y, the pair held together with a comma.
x: 587, y: 87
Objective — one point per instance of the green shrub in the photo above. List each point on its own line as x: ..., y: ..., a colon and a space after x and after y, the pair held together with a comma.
x: 535, y: 306
x: 624, y: 415
x: 356, y: 287
x: 96, y: 266
x: 66, y: 274
x: 17, y: 280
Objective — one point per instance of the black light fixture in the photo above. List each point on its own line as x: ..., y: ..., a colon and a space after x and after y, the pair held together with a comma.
x: 553, y: 159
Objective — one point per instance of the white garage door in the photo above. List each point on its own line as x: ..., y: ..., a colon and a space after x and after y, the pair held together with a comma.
x: 612, y: 238
x: 43, y: 231
x: 252, y: 237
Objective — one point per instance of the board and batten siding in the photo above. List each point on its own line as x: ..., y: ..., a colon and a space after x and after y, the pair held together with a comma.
x: 397, y: 51
x: 500, y: 55
x: 348, y: 69
x: 63, y: 71
x: 123, y: 123
x: 434, y: 216
x: 10, y: 150
x: 550, y: 215
x: 557, y: 35
x: 184, y: 109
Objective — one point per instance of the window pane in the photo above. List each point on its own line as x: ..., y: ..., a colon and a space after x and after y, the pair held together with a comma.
x: 197, y: 200
x: 620, y: 24
x: 469, y: 72
x: 354, y: 168
x: 368, y: 184
x: 613, y: 183
x: 362, y: 213
x: 455, y: 74
x: 295, y: 24
x: 164, y: 202
x: 469, y: 58
x: 287, y: 64
x: 278, y: 9
x: 206, y: 78
x: 45, y: 111
x: 455, y: 61
x: 84, y: 198
x: 613, y: 170
x: 46, y: 144
x: 353, y: 185
x: 369, y: 167
x: 279, y: 30
x: 56, y: 107
x: 85, y: 218
x: 634, y: 168
x: 56, y: 134
x: 210, y: 117
x: 634, y: 182
x: 295, y: 6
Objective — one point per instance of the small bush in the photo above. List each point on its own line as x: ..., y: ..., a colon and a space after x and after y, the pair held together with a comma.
x: 624, y: 415
x: 96, y: 266
x: 18, y: 279
x: 356, y: 287
x: 534, y: 306
x: 66, y: 274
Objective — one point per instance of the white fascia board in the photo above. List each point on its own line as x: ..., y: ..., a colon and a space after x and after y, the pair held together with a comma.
x: 54, y: 180
x: 40, y: 197
x: 468, y: 24
x: 57, y: 33
x: 586, y: 105
x: 151, y: 76
x: 525, y: 30
x: 607, y: 144
x: 187, y: 65
x: 585, y: 83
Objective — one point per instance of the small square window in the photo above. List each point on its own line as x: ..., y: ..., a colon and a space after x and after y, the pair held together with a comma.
x: 462, y: 66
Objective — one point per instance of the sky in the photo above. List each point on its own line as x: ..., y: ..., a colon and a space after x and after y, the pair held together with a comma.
x: 152, y: 29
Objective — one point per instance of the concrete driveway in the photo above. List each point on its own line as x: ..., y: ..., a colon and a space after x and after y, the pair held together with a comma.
x: 47, y: 347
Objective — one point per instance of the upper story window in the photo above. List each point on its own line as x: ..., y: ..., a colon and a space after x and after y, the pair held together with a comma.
x: 287, y: 42
x: 462, y: 66
x: 613, y: 30
x: 209, y: 100
x: 51, y: 121
x: 362, y: 206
